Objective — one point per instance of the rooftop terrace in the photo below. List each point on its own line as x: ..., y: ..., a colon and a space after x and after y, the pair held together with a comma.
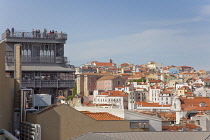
x: 34, y: 35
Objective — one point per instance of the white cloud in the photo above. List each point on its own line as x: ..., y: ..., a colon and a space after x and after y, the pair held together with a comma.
x: 205, y: 10
x: 172, y: 46
x: 155, y: 44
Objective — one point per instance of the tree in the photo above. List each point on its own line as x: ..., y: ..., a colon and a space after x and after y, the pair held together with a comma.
x: 74, y: 92
x: 143, y: 79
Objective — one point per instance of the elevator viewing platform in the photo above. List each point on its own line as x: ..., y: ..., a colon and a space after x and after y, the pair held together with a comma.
x: 34, y: 36
x: 44, y: 66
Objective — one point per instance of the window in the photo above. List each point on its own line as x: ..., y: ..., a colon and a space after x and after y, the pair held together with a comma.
x: 198, y: 122
x: 9, y: 54
x: 139, y: 124
x: 118, y: 82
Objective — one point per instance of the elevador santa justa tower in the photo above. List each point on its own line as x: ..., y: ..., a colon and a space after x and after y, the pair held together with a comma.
x: 44, y: 67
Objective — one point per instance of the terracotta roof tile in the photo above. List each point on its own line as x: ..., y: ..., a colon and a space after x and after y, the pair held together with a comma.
x: 146, y: 104
x: 176, y: 128
x: 103, y: 64
x: 114, y: 93
x: 101, y: 115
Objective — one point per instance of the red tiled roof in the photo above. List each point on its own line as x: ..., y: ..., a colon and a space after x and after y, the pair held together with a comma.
x: 61, y: 97
x: 176, y: 128
x: 124, y: 64
x: 155, y: 87
x: 165, y: 92
x: 146, y: 104
x: 114, y: 93
x: 103, y: 64
x: 101, y: 115
x: 188, y: 73
x: 110, y: 77
x: 193, y: 104
x: 88, y: 104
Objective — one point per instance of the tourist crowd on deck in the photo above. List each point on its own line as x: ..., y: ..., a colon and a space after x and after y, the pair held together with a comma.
x: 35, y: 33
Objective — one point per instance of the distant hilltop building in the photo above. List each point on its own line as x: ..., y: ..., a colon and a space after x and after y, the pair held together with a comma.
x: 45, y: 69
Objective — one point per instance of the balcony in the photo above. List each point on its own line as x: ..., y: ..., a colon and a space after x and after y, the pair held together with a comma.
x: 48, y: 83
x: 39, y: 59
x: 34, y: 35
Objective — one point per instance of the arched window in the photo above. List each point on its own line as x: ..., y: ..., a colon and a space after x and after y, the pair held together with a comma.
x: 41, y: 53
x: 52, y: 53
x: 48, y: 53
x: 29, y: 52
x: 22, y: 52
x: 25, y: 52
x: 45, y: 52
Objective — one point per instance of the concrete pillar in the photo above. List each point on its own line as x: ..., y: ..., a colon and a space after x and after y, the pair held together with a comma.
x: 17, y: 75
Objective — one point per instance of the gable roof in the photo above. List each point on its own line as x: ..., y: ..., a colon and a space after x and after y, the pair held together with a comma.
x: 101, y: 115
x: 114, y: 93
x: 146, y: 104
x: 106, y: 64
x: 110, y: 77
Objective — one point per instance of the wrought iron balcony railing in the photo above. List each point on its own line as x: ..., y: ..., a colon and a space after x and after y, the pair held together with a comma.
x: 48, y: 83
x: 38, y: 59
x: 42, y: 35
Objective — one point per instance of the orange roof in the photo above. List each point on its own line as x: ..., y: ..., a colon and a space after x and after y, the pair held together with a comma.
x: 61, y: 97
x: 176, y: 128
x: 188, y: 73
x: 146, y: 104
x: 198, y: 84
x: 190, y: 108
x: 158, y: 87
x: 88, y: 104
x: 101, y: 116
x: 124, y: 64
x: 171, y: 115
x: 114, y: 93
x: 165, y: 92
x: 110, y: 77
x: 193, y: 104
x: 103, y: 63
x: 165, y: 68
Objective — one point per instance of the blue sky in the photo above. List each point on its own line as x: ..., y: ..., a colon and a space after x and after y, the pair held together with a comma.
x: 135, y: 31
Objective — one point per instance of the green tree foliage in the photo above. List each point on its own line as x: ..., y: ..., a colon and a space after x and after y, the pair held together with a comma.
x: 74, y: 92
x: 138, y: 80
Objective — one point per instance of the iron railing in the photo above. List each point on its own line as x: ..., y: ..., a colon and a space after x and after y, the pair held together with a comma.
x: 38, y: 59
x: 47, y: 83
x: 43, y: 35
